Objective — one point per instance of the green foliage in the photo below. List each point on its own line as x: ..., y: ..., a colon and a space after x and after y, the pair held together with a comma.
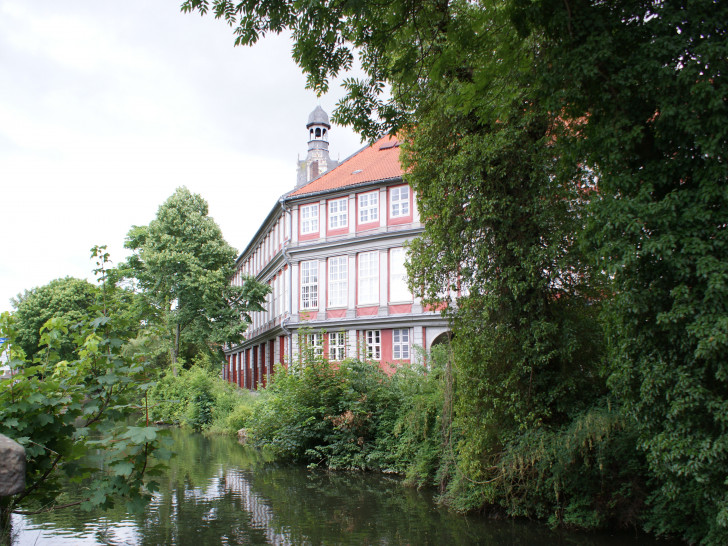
x: 60, y: 409
x: 353, y: 416
x: 198, y: 398
x: 182, y: 266
x: 650, y: 78
x: 68, y: 299
x: 577, y: 150
x: 587, y: 474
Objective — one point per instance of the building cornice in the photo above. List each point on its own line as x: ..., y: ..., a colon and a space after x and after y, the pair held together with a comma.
x: 344, y: 190
x: 354, y: 242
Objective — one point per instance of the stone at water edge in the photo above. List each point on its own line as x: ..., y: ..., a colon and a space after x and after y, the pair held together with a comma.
x: 12, y: 467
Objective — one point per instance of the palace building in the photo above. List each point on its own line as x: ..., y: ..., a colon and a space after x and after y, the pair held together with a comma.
x: 332, y: 251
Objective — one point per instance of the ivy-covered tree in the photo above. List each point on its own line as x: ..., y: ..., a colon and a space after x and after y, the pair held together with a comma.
x: 183, y: 266
x: 68, y: 299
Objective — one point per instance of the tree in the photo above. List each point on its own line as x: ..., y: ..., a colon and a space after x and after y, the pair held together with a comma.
x: 183, y: 266
x: 650, y: 80
x: 61, y: 409
x: 509, y: 107
x: 68, y: 299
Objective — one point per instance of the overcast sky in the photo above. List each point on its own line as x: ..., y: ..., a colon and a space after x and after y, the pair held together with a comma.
x: 107, y: 106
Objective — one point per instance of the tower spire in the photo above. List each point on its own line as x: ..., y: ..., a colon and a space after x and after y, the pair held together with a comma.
x: 317, y: 159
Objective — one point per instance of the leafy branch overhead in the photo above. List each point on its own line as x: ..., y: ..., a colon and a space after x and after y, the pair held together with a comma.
x: 576, y: 149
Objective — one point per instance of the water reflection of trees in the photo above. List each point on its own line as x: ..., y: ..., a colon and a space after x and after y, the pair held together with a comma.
x: 218, y: 492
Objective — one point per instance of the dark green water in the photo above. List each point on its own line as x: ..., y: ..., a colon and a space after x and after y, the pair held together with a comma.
x: 218, y: 492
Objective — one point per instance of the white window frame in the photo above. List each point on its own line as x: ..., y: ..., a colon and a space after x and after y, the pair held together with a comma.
x: 338, y: 213
x: 398, y: 289
x: 309, y: 285
x: 338, y: 289
x: 399, y: 202
x: 315, y: 342
x: 337, y: 346
x: 368, y: 207
x: 368, y: 285
x: 309, y: 218
x: 373, y: 343
x: 401, y: 344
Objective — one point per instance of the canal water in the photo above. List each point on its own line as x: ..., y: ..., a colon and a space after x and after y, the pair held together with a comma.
x: 219, y: 492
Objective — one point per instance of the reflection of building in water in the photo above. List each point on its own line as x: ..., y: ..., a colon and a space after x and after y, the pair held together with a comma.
x: 333, y: 252
x: 261, y: 515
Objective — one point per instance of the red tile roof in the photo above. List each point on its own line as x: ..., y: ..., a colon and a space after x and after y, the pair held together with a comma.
x: 380, y: 161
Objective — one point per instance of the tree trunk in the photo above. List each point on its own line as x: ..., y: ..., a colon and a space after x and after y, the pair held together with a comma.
x: 175, y: 350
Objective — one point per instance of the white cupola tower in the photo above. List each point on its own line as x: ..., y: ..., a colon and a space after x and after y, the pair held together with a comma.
x: 317, y: 160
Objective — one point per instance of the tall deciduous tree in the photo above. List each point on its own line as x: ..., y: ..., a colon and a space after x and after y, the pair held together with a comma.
x: 650, y: 79
x: 68, y: 299
x: 184, y: 265
x: 510, y: 107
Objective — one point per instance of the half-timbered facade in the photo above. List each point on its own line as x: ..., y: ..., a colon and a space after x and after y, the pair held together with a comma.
x: 332, y: 251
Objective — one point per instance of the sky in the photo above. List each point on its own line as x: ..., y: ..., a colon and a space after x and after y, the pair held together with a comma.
x: 106, y: 107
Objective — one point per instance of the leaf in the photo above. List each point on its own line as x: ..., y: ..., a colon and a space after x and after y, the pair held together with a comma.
x: 140, y: 435
x: 122, y: 468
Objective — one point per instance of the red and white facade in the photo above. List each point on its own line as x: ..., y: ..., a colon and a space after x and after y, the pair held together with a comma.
x: 332, y: 251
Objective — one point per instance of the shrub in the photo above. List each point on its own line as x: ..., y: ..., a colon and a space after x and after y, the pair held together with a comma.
x: 354, y: 416
x: 200, y: 399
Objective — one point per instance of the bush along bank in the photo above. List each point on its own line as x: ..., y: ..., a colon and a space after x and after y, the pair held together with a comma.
x: 199, y: 399
x: 354, y: 416
x: 583, y: 471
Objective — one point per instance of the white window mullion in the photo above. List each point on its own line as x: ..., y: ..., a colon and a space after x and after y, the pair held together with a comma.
x: 337, y: 346
x: 309, y: 285
x: 368, y: 278
x: 368, y: 207
x: 398, y: 289
x: 399, y: 204
x: 338, y: 286
x: 400, y: 344
x: 374, y: 344
x: 338, y: 213
x: 309, y: 219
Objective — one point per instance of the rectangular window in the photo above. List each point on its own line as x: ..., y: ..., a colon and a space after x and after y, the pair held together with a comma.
x: 374, y: 344
x: 315, y: 344
x: 309, y: 219
x: 399, y: 202
x: 338, y: 286
x: 368, y: 207
x: 337, y: 346
x: 338, y: 216
x: 398, y: 290
x: 309, y: 285
x: 400, y: 344
x: 368, y: 278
